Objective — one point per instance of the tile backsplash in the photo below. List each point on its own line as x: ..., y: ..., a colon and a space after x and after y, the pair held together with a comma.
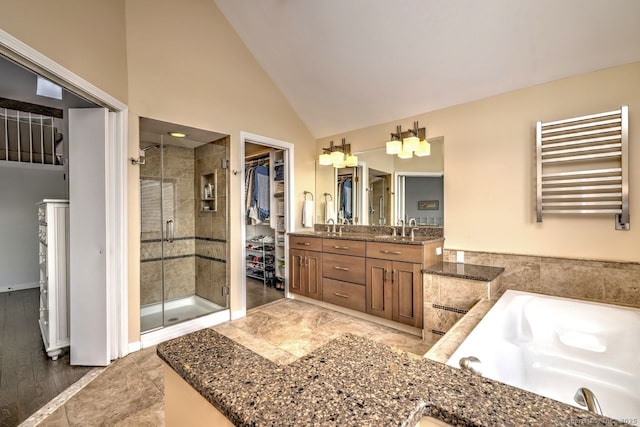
x: 603, y: 281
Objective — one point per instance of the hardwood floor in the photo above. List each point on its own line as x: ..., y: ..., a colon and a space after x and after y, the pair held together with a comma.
x: 28, y: 378
x: 258, y: 294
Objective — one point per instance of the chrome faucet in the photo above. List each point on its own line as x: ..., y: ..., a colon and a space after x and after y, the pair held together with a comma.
x: 471, y: 364
x: 412, y: 221
x: 413, y: 233
x: 334, y: 225
x: 585, y: 397
x: 401, y: 222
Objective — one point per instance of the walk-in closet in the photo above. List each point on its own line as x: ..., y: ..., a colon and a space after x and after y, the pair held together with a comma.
x: 265, y: 222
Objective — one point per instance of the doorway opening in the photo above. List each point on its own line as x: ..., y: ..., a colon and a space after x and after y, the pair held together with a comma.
x: 266, y: 171
x: 35, y: 157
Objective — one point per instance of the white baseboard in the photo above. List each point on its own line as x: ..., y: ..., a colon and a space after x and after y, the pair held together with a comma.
x: 19, y: 287
x: 134, y: 346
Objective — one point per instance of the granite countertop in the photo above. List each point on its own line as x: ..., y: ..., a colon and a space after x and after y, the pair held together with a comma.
x: 483, y: 273
x: 352, y: 381
x: 369, y: 237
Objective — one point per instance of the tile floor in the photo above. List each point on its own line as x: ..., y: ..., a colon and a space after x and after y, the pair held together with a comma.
x: 130, y: 391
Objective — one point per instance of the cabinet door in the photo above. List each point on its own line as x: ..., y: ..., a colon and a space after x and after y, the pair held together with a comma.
x: 296, y: 258
x: 407, y: 293
x: 379, y: 288
x: 313, y: 274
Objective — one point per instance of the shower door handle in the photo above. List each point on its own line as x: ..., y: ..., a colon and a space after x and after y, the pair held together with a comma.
x: 168, y: 231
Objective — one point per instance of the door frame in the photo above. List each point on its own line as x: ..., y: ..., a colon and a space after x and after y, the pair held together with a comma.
x: 115, y: 185
x: 289, y: 192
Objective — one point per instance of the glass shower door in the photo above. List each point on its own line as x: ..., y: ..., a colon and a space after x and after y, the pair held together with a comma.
x: 184, y: 224
x: 151, y: 238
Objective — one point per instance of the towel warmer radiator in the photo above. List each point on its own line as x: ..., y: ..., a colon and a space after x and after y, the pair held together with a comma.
x: 582, y: 166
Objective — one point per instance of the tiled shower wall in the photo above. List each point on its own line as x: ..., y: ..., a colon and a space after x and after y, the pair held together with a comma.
x: 180, y: 265
x: 211, y: 226
x: 604, y: 281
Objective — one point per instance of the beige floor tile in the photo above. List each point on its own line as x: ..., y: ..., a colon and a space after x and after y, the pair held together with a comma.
x: 130, y: 391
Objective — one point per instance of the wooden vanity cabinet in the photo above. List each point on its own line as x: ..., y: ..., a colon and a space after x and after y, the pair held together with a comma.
x: 305, y: 266
x: 378, y: 278
x: 343, y: 273
x: 394, y: 281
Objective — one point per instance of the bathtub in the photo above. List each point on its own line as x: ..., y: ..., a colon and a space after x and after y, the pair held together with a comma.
x: 552, y: 346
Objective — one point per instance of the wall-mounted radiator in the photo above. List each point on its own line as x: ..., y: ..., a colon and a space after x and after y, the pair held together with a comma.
x: 583, y: 166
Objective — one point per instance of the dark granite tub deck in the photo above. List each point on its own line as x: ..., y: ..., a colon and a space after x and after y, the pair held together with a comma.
x: 352, y: 381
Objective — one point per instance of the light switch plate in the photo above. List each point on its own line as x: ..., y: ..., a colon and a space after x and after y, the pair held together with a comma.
x: 459, y: 256
x: 439, y: 250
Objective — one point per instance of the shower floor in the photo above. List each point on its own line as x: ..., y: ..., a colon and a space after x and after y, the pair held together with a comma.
x: 175, y: 311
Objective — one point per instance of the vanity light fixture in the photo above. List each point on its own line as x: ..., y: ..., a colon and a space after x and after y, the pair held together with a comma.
x: 338, y: 155
x: 406, y: 144
x: 178, y: 134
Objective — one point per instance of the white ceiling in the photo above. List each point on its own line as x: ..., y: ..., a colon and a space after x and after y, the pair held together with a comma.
x: 348, y: 64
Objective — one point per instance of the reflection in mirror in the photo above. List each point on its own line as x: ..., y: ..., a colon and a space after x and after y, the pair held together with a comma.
x: 348, y: 195
x: 386, y: 188
x: 379, y: 197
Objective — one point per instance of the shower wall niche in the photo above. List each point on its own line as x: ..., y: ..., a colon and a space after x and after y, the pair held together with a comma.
x: 183, y: 225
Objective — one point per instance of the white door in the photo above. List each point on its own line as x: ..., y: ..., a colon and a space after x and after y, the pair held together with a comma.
x: 88, y: 305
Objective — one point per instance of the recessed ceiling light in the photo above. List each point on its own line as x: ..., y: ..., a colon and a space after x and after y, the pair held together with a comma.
x: 178, y: 134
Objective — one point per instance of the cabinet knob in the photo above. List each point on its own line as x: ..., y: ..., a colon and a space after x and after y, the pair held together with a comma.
x: 46, y: 322
x: 44, y: 291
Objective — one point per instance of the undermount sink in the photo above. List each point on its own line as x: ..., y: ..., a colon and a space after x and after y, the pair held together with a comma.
x: 384, y: 236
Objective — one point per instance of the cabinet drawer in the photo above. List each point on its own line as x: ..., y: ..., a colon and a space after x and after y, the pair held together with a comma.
x: 395, y: 251
x: 306, y: 243
x: 346, y: 247
x: 344, y: 294
x: 344, y: 267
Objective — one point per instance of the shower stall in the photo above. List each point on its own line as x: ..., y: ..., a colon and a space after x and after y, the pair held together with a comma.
x: 183, y: 224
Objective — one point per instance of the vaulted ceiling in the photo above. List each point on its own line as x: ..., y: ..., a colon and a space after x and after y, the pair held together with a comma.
x: 347, y: 64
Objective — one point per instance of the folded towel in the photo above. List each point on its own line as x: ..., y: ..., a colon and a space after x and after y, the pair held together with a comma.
x: 330, y: 211
x: 307, y: 213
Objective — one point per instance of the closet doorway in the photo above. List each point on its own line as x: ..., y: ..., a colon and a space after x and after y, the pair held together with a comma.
x: 266, y: 219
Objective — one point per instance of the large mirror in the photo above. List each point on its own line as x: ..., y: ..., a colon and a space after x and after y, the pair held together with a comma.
x: 383, y: 189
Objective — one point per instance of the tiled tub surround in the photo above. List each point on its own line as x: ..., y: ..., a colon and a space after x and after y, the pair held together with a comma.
x: 442, y: 350
x: 352, y: 381
x: 603, y: 281
x: 451, y: 289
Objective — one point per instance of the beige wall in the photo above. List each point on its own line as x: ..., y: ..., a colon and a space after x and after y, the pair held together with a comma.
x: 87, y: 37
x: 188, y: 66
x: 489, y: 167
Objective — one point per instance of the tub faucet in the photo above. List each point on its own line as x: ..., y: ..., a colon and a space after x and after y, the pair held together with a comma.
x: 585, y: 397
x: 334, y: 225
x: 471, y: 364
x: 401, y: 223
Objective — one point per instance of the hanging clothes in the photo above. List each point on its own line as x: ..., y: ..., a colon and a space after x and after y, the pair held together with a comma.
x: 345, y: 199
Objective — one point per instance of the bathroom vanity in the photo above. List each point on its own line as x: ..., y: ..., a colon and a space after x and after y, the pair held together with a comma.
x: 369, y: 272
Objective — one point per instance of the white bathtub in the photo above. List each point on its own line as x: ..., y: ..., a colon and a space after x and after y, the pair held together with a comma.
x: 553, y: 346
